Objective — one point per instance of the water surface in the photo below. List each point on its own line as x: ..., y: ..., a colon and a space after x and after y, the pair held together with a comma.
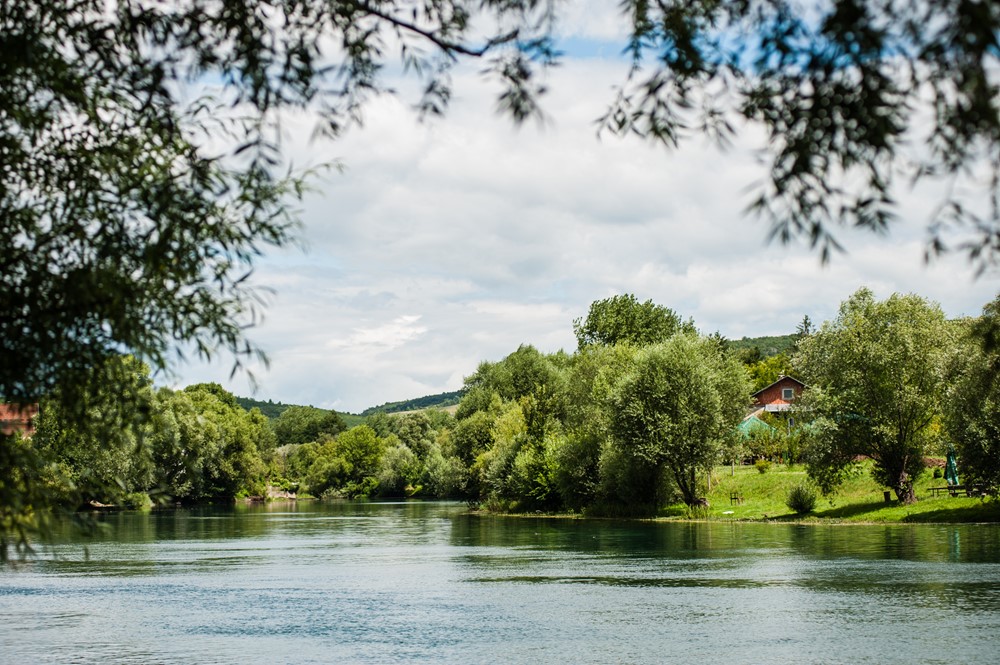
x: 415, y: 582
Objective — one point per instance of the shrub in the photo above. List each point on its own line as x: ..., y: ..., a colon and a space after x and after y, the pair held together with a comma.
x: 137, y: 501
x: 801, y: 499
x: 699, y: 510
x: 763, y: 465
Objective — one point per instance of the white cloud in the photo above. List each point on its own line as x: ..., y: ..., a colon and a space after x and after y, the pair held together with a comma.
x: 451, y: 242
x: 381, y: 338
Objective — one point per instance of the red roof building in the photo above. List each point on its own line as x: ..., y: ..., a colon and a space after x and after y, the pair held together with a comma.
x: 779, y: 396
x: 18, y: 418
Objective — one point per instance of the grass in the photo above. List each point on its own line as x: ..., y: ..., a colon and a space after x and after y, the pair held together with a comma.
x: 859, y: 499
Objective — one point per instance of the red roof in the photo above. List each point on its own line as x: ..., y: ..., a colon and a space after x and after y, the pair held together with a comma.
x: 781, y: 379
x: 17, y: 418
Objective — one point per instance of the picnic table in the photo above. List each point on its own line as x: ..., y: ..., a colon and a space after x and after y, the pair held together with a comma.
x: 955, y: 490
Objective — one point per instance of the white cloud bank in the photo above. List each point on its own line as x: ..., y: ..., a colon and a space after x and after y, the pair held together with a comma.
x: 448, y: 243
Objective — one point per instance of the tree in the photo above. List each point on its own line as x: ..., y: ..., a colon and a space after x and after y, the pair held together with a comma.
x: 592, y: 375
x: 521, y: 373
x: 301, y: 424
x: 972, y: 406
x: 805, y: 327
x: 672, y: 414
x: 624, y: 320
x: 101, y: 459
x: 875, y: 375
x: 132, y: 207
x: 766, y: 371
x: 399, y: 470
x: 236, y: 442
x: 350, y: 462
x: 414, y: 430
x: 179, y: 444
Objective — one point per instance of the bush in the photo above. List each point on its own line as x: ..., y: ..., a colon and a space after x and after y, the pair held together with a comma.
x: 699, y: 511
x: 763, y: 465
x: 801, y: 499
x: 137, y: 501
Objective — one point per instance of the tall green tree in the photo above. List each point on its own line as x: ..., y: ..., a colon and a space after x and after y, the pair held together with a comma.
x: 673, y: 413
x: 301, y: 424
x: 349, y: 463
x: 180, y: 446
x: 624, y: 320
x: 876, y: 385
x: 805, y: 327
x: 102, y: 458
x: 972, y: 406
x: 594, y: 371
x: 399, y: 470
x: 236, y: 444
x: 519, y: 374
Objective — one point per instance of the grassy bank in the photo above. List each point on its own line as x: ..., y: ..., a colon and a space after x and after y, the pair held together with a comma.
x: 857, y: 500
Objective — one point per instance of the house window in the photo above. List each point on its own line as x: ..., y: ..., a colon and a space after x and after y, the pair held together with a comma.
x: 788, y: 394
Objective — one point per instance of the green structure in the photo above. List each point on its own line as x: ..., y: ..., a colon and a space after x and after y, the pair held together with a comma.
x: 754, y: 426
x: 951, y: 468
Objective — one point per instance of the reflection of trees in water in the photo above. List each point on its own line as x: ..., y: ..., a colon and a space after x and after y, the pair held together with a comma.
x: 926, y: 543
x: 902, y: 566
x: 676, y: 540
x: 915, y: 566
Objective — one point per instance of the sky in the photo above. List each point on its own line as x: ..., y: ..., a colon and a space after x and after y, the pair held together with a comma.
x: 445, y: 243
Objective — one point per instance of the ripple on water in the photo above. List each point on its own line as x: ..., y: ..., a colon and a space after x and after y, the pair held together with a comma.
x: 404, y: 583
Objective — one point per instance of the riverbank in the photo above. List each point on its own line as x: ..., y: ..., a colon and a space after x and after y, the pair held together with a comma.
x: 744, y: 493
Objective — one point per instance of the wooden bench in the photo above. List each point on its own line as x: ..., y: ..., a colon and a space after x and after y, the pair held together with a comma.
x: 735, y: 498
x: 956, y: 490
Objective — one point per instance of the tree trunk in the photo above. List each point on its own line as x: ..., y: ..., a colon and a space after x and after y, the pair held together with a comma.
x: 686, y: 484
x: 904, y: 489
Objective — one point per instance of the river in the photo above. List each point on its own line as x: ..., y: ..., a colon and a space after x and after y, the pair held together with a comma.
x: 413, y: 582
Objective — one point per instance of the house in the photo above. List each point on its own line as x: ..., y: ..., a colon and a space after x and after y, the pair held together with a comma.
x: 779, y: 396
x: 18, y: 418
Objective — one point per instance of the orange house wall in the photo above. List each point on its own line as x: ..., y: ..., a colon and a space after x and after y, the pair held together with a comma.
x: 772, y: 395
x: 14, y: 418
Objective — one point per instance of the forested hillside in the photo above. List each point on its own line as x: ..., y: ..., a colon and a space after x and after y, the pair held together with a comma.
x: 273, y: 410
x: 269, y: 408
x: 438, y: 401
x: 766, y: 346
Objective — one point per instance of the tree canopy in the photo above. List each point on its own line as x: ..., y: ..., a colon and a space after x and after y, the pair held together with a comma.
x: 876, y: 385
x: 674, y: 412
x: 624, y: 320
x: 972, y: 407
x: 302, y: 424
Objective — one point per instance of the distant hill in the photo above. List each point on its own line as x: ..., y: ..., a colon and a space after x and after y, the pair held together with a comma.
x: 273, y: 409
x: 768, y: 345
x: 269, y: 408
x: 351, y: 419
x: 439, y: 401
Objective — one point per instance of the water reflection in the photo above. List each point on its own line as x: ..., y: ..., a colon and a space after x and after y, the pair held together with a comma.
x: 427, y: 582
x: 977, y: 543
